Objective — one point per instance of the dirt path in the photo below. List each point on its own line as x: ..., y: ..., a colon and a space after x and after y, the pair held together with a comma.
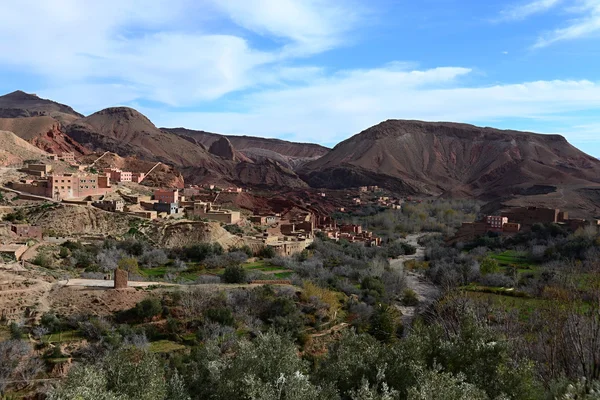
x: 426, y: 291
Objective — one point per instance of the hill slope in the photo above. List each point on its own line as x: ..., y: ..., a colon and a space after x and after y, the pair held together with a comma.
x: 20, y: 104
x: 14, y: 150
x: 43, y: 132
x: 439, y: 157
x: 127, y: 132
x: 291, y: 155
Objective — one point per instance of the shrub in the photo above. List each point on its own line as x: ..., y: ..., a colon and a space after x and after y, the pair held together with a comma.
x: 16, y: 331
x: 234, y: 274
x: 129, y: 264
x: 63, y: 252
x: 266, y: 252
x: 234, y: 229
x: 489, y: 266
x: 384, y: 323
x: 410, y: 298
x: 221, y: 315
x: 43, y: 260
x: 148, y: 308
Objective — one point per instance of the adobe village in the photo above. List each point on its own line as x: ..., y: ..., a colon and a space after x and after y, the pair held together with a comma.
x: 181, y: 264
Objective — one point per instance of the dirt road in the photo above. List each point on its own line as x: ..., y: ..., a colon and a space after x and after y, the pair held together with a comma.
x: 426, y: 292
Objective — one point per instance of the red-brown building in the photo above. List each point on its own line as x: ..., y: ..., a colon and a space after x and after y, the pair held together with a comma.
x: 166, y: 195
x: 25, y: 231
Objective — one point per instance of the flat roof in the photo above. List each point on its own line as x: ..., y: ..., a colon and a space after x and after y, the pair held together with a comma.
x: 10, y: 248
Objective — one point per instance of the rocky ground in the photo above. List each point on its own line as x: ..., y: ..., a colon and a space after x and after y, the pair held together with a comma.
x: 426, y: 291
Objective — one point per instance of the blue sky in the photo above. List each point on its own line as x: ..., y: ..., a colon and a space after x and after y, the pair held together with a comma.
x: 314, y: 70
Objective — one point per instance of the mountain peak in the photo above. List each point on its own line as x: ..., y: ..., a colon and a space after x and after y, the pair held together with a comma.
x: 21, y: 95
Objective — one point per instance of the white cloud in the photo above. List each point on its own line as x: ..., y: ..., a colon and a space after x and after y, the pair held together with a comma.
x: 168, y: 51
x: 586, y: 25
x: 524, y: 11
x: 311, y: 25
x: 331, y: 109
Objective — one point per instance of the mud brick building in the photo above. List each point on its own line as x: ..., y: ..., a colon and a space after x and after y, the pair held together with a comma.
x: 121, y: 279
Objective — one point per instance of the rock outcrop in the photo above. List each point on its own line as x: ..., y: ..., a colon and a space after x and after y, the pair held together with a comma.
x: 223, y: 148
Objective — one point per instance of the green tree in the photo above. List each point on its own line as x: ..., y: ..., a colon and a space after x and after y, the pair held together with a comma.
x: 148, y: 308
x: 489, y: 266
x: 435, y: 385
x: 234, y: 274
x: 384, y: 323
x: 129, y: 264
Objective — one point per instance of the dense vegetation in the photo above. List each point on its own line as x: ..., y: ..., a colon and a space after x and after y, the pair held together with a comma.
x: 518, y: 318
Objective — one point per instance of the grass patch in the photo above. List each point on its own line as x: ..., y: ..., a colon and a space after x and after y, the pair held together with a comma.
x: 61, y: 337
x: 283, y: 275
x: 154, y: 272
x: 525, y: 306
x: 165, y: 346
x: 512, y: 257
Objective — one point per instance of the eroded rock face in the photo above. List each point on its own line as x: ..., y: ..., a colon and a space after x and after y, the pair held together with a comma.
x: 223, y: 148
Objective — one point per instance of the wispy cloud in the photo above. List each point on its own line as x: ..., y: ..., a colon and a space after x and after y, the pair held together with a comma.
x: 523, y: 11
x: 332, y: 108
x: 310, y: 25
x: 586, y: 25
x: 177, y: 52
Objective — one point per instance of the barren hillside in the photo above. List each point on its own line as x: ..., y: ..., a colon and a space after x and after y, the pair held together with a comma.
x: 14, y: 150
x: 436, y: 158
x: 43, y: 132
x: 20, y: 104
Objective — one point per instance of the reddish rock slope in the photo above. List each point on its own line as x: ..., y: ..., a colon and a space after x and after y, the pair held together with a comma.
x: 436, y: 158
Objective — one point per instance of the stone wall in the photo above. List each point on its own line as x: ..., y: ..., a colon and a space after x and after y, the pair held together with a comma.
x: 121, y: 278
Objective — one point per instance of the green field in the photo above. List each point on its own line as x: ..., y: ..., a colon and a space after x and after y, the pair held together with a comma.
x: 512, y: 257
x: 524, y: 305
x: 158, y: 272
x: 283, y: 275
x: 165, y: 346
x: 67, y: 336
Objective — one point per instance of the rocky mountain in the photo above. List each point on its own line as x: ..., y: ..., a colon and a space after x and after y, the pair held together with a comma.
x: 289, y: 154
x: 19, y: 104
x: 453, y: 159
x: 14, y: 150
x: 127, y: 132
x: 43, y: 132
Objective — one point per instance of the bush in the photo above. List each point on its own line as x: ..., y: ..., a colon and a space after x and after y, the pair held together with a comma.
x: 243, y: 249
x: 489, y: 266
x: 221, y: 315
x: 234, y: 274
x: 234, y: 229
x: 43, y: 260
x: 16, y: 331
x: 63, y: 252
x: 148, y: 309
x: 410, y: 298
x: 129, y: 264
x: 266, y: 252
x: 384, y: 323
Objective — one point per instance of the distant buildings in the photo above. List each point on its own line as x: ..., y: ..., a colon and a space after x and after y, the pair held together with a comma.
x: 264, y: 219
x: 110, y: 205
x: 166, y: 195
x: 168, y: 201
x: 118, y: 175
x: 65, y: 186
x: 12, y: 252
x: 212, y: 212
x: 516, y: 220
x: 25, y: 231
